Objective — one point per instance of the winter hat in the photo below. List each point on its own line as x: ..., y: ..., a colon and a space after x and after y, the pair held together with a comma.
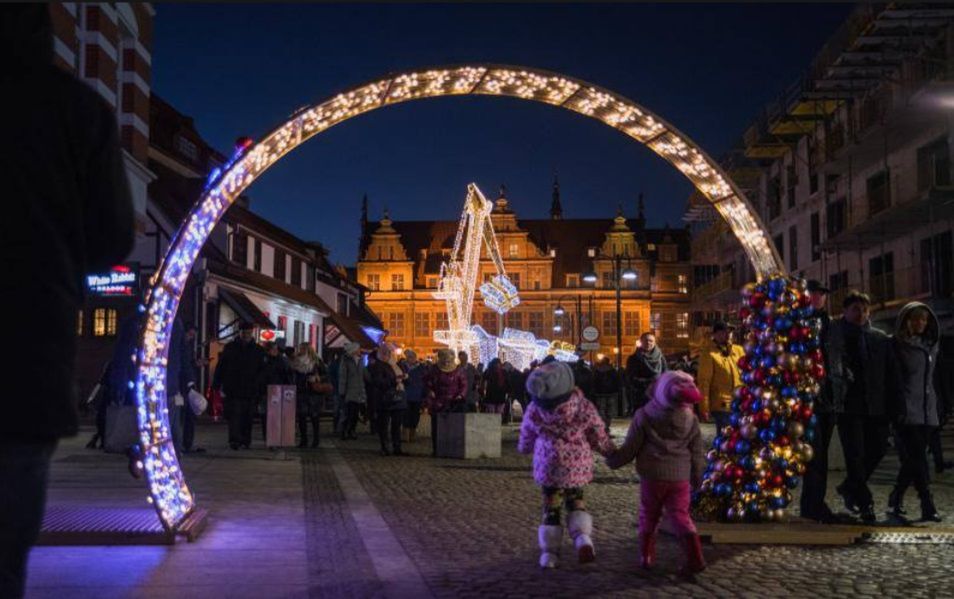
x: 551, y: 381
x: 446, y: 360
x: 663, y: 392
x: 351, y: 347
x: 410, y: 354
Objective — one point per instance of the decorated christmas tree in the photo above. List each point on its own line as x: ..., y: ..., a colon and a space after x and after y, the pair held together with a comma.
x: 757, y: 460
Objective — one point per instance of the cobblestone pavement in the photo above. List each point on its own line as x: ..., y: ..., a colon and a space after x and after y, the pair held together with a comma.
x: 470, y: 527
x: 346, y: 522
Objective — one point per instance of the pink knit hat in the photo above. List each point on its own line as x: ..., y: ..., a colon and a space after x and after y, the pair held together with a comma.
x: 662, y: 392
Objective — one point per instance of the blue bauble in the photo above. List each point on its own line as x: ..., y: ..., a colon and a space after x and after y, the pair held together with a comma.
x: 757, y: 405
x: 813, y: 421
x: 809, y: 434
x: 775, y: 380
x: 791, y: 482
x: 789, y: 391
x: 767, y: 435
x: 746, y: 378
x: 752, y: 487
x: 723, y: 489
x: 752, y: 508
x: 782, y: 463
x: 767, y: 361
x: 741, y: 446
x: 734, y: 419
x: 778, y: 502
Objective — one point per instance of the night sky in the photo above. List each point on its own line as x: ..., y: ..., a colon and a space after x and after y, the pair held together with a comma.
x: 707, y: 69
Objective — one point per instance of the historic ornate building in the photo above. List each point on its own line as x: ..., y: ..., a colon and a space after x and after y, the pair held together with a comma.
x: 399, y: 262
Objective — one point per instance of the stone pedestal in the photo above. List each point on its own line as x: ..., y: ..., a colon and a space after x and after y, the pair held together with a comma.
x: 468, y: 436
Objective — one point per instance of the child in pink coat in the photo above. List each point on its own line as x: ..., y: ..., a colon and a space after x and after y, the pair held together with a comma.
x: 561, y: 427
x: 665, y: 441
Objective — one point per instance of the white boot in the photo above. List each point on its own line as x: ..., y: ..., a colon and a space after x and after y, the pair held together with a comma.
x: 580, y: 526
x: 550, y: 537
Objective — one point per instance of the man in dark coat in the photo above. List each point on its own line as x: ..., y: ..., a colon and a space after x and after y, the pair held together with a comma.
x: 238, y: 377
x: 860, y: 359
x: 812, y: 504
x: 68, y: 212
x: 642, y: 368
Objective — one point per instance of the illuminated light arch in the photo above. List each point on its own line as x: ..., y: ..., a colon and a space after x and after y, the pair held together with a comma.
x: 167, y: 489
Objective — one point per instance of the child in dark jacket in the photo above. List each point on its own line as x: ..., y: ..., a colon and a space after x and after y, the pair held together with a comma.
x: 665, y: 440
x: 562, y: 428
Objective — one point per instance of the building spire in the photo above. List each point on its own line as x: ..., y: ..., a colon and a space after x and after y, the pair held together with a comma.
x: 364, y: 213
x: 641, y: 213
x: 556, y: 209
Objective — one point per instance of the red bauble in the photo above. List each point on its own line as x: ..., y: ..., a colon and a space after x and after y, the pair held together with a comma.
x: 806, y: 333
x: 805, y: 412
x: 757, y: 300
x: 794, y: 333
x: 818, y: 370
x: 759, y: 376
x: 816, y: 355
x: 782, y: 440
x: 778, y: 480
x: 744, y: 312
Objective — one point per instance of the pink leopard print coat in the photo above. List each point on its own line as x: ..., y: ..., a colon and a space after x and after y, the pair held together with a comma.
x: 562, y: 440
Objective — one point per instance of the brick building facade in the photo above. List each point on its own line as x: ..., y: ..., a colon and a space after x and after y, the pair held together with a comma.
x: 399, y: 262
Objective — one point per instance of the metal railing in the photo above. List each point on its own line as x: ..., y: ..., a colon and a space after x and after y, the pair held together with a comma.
x: 892, y: 288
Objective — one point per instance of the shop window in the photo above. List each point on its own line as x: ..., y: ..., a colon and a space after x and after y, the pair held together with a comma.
x: 104, y: 322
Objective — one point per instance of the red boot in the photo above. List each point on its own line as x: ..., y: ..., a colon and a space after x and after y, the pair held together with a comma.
x: 647, y: 550
x: 695, y: 562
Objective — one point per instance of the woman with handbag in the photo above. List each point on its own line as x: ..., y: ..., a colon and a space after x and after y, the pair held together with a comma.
x: 308, y: 370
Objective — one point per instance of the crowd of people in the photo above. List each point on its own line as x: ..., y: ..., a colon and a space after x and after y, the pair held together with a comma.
x: 879, y: 389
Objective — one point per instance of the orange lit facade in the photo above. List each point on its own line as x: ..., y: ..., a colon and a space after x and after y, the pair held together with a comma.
x: 399, y: 263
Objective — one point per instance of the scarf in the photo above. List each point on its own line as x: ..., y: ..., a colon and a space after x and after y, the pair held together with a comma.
x: 653, y: 358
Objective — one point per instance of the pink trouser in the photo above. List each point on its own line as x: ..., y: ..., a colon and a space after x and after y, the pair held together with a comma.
x: 654, y: 495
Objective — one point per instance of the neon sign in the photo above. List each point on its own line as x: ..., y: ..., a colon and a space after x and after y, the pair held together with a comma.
x: 121, y: 280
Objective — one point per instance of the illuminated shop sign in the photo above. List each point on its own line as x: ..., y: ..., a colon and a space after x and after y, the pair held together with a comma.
x: 121, y: 280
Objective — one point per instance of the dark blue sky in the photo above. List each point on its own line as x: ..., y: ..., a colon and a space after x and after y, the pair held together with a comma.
x: 708, y: 69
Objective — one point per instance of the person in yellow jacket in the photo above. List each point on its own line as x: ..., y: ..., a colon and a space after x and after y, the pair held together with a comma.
x: 719, y: 374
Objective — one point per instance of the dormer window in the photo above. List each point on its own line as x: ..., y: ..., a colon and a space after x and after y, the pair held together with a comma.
x: 591, y: 252
x: 553, y: 253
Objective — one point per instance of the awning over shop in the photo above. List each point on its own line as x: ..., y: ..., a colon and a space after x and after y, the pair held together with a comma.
x: 245, y: 309
x: 340, y: 329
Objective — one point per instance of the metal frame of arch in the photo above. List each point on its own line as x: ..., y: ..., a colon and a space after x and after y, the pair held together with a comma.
x: 167, y: 486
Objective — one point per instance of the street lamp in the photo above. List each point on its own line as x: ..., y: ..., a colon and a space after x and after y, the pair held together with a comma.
x: 560, y: 311
x: 619, y: 275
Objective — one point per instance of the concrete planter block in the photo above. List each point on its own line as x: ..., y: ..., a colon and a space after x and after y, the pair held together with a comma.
x: 468, y: 436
